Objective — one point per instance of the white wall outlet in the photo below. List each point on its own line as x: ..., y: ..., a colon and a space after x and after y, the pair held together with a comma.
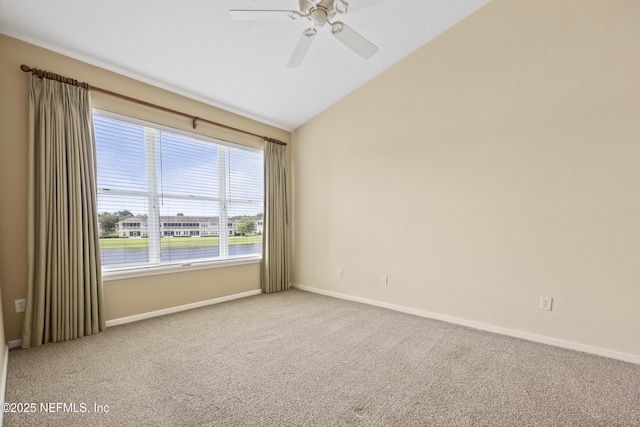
x: 545, y: 303
x: 384, y: 280
x: 340, y: 273
x: 20, y: 303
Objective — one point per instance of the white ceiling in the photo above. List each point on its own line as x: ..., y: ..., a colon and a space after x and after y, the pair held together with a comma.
x: 195, y: 49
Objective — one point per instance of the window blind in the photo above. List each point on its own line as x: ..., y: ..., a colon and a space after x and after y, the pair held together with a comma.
x: 167, y: 197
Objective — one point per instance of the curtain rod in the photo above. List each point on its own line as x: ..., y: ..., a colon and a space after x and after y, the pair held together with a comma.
x: 195, y: 119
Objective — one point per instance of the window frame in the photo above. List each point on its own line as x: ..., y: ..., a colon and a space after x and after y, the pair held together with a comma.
x: 179, y: 266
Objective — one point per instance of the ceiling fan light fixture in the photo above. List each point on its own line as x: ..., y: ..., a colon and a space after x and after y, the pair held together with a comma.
x: 319, y: 13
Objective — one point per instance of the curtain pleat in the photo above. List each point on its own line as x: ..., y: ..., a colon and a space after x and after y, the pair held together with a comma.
x: 275, y: 248
x: 64, y: 296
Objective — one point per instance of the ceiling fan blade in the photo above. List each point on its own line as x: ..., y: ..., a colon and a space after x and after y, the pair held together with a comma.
x: 304, y: 43
x: 353, y: 40
x: 264, y: 14
x: 356, y: 5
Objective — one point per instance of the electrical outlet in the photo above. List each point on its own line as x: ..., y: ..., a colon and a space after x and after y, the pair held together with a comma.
x: 384, y: 280
x: 20, y: 303
x: 340, y: 273
x: 545, y: 303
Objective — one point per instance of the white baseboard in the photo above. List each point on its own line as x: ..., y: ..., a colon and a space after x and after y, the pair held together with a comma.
x: 150, y: 314
x: 3, y: 379
x: 482, y: 326
x: 179, y: 308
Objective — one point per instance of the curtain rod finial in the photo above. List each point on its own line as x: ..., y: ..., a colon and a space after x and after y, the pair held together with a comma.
x: 25, y: 68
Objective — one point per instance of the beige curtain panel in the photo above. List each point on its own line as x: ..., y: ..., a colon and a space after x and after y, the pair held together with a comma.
x: 64, y: 297
x: 275, y: 249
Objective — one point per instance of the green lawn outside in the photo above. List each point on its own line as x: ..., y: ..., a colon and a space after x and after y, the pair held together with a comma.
x: 174, y: 242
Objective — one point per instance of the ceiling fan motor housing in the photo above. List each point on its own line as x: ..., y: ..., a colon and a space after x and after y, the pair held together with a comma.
x: 318, y: 16
x: 321, y: 12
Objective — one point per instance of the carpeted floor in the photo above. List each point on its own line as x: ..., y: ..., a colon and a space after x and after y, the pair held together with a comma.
x: 296, y: 358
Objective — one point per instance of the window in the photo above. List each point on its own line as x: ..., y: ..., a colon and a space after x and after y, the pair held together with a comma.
x: 158, y: 186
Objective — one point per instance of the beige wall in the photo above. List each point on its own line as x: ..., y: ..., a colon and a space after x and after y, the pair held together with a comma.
x: 123, y: 297
x: 127, y: 297
x: 504, y: 160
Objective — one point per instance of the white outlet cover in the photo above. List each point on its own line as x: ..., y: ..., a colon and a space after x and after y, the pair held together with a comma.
x: 546, y: 303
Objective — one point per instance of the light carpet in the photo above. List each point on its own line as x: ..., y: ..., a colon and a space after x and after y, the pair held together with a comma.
x: 295, y: 358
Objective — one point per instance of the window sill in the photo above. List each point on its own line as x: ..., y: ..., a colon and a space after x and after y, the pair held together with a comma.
x: 152, y: 271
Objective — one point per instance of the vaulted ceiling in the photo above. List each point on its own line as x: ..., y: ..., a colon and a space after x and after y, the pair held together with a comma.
x: 196, y: 49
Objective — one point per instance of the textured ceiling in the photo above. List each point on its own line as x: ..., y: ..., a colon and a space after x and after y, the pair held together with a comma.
x: 195, y: 49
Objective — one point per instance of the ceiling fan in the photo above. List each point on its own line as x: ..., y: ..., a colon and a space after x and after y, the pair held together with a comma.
x: 319, y: 13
